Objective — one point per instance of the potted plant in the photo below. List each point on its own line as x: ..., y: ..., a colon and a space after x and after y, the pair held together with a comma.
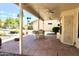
x: 55, y: 29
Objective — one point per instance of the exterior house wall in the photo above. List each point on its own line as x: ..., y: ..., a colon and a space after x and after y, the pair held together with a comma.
x: 35, y: 25
x: 76, y: 22
x: 66, y: 36
x: 74, y: 13
x: 46, y: 26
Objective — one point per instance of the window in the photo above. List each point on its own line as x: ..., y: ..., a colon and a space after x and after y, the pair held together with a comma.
x: 49, y: 23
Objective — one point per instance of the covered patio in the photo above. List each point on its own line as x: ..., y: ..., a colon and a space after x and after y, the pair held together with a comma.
x: 34, y: 47
x: 64, y: 44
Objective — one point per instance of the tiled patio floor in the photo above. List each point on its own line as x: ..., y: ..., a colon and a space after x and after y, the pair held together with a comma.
x: 49, y: 46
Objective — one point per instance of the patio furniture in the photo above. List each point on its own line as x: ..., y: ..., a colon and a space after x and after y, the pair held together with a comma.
x: 39, y: 34
x: 36, y: 34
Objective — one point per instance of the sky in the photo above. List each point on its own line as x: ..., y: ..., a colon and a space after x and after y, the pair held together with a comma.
x: 11, y: 10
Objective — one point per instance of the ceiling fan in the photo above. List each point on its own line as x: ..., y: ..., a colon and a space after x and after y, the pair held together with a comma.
x: 51, y: 11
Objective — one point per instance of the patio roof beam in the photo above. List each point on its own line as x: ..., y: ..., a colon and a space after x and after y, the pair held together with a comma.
x: 30, y: 9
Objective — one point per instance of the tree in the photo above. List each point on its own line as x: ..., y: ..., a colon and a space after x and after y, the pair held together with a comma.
x: 1, y: 24
x: 11, y: 22
x: 17, y: 22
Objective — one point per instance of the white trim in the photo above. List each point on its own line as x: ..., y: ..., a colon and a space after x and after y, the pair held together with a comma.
x: 21, y: 25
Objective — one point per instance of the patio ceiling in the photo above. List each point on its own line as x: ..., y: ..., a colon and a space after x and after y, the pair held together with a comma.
x: 47, y: 11
x: 31, y: 10
x: 52, y: 10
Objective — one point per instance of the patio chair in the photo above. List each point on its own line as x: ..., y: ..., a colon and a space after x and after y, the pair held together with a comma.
x: 41, y: 34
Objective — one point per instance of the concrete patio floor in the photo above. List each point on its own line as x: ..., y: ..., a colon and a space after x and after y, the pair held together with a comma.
x: 50, y: 46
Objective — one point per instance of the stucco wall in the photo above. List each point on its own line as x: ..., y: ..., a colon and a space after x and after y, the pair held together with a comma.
x: 35, y: 25
x: 76, y: 22
x: 65, y: 36
x: 46, y: 26
x: 73, y: 12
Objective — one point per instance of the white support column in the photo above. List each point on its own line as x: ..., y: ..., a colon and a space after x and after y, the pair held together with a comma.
x: 43, y: 24
x: 21, y: 26
x: 38, y: 24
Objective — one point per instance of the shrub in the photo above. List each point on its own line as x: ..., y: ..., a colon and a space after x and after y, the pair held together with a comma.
x: 14, y: 31
x: 30, y: 28
x: 55, y: 29
x: 2, y: 33
x: 16, y: 39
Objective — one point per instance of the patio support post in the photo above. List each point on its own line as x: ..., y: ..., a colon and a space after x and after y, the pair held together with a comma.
x: 43, y: 24
x: 21, y: 25
x: 38, y: 24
